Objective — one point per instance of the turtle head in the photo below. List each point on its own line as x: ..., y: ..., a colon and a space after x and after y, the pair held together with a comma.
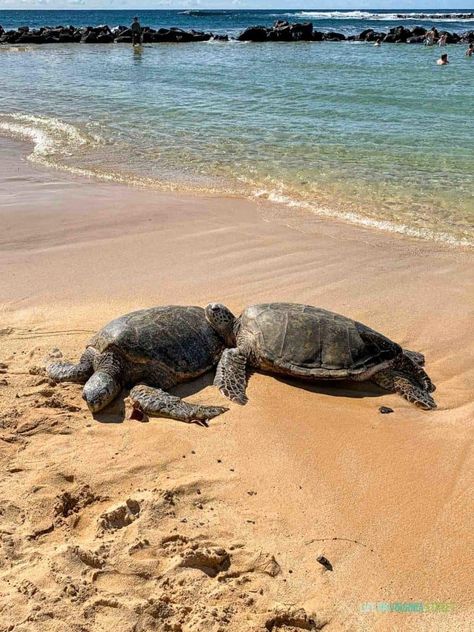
x: 222, y: 320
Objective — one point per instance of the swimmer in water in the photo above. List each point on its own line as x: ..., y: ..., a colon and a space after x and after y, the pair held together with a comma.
x: 443, y: 60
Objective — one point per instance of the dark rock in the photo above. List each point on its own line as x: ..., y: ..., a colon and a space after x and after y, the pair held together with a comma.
x: 419, y: 39
x: 397, y: 35
x: 374, y: 36
x: 363, y: 37
x: 418, y: 30
x: 9, y: 37
x: 281, y: 24
x: 318, y: 36
x: 89, y: 38
x: 385, y: 410
x: 302, y: 32
x: 124, y: 39
x: 254, y: 34
x: 467, y: 36
x: 334, y: 37
x: 452, y: 38
x: 105, y: 38
x: 30, y: 37
x: 324, y: 562
x: 220, y: 38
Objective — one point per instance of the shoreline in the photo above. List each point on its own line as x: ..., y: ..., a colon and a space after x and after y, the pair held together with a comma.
x: 300, y: 471
x: 298, y: 214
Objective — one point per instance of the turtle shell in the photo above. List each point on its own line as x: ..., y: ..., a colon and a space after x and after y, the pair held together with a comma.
x: 312, y: 341
x: 175, y: 336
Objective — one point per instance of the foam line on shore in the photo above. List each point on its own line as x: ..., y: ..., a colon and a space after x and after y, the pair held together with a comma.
x: 54, y: 139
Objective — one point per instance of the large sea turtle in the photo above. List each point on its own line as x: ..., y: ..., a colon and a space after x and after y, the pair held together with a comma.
x: 156, y: 347
x: 315, y: 344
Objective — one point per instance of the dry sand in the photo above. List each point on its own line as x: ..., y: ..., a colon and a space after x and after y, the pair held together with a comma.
x: 111, y: 524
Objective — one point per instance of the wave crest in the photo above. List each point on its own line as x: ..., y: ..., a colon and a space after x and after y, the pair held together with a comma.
x: 51, y: 137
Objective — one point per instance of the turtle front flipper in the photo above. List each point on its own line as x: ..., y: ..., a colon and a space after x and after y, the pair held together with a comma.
x: 231, y: 375
x: 69, y: 372
x: 407, y: 387
x: 158, y: 403
x: 413, y: 393
x: 416, y: 356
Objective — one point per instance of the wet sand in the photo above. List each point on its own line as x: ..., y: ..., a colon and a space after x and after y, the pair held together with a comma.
x: 223, y: 525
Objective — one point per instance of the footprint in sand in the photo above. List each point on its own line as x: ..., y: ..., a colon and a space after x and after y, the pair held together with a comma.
x: 292, y: 620
x: 209, y: 560
x: 120, y: 516
x: 72, y: 502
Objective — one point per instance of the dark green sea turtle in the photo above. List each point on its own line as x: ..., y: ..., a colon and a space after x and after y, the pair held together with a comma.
x: 313, y: 344
x: 156, y: 347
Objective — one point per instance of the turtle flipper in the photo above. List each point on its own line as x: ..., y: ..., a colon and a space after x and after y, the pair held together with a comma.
x: 411, y: 368
x: 158, y: 403
x: 407, y: 387
x: 413, y: 393
x: 69, y: 372
x: 416, y: 356
x: 231, y: 376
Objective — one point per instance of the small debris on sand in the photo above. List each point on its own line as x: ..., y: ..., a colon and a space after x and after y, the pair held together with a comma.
x: 324, y: 562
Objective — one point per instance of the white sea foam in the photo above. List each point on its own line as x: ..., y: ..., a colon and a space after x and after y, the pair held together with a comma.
x: 54, y: 140
x: 359, y: 220
x: 50, y: 136
x: 367, y: 15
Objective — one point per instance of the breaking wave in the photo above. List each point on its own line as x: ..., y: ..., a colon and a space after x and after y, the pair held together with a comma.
x: 367, y: 15
x: 51, y: 137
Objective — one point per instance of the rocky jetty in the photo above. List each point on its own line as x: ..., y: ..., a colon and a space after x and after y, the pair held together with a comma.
x: 99, y: 35
x: 281, y: 31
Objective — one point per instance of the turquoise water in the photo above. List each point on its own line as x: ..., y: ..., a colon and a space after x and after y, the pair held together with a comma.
x: 375, y: 136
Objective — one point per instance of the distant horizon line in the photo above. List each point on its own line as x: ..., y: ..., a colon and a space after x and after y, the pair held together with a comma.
x: 366, y: 9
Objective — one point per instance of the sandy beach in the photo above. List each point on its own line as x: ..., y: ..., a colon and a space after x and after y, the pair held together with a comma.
x: 112, y: 524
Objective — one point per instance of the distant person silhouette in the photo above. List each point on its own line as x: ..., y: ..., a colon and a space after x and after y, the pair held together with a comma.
x: 470, y: 50
x: 136, y: 32
x: 443, y: 40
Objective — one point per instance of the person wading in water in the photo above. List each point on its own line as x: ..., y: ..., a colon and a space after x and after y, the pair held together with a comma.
x: 136, y: 32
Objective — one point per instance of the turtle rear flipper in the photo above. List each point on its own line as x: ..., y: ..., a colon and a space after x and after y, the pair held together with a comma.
x: 158, y: 403
x: 70, y: 372
x: 231, y: 375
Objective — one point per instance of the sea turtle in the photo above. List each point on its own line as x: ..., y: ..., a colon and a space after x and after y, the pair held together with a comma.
x: 314, y: 344
x: 156, y: 347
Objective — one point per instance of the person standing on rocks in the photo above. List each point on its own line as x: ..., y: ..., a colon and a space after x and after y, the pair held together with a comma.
x: 136, y: 32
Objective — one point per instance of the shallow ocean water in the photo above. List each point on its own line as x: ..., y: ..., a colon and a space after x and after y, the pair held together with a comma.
x: 375, y: 136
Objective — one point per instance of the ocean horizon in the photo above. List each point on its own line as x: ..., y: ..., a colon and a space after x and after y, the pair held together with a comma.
x: 378, y: 137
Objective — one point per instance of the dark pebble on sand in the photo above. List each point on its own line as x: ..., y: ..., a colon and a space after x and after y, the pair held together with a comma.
x: 325, y: 562
x: 385, y: 410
